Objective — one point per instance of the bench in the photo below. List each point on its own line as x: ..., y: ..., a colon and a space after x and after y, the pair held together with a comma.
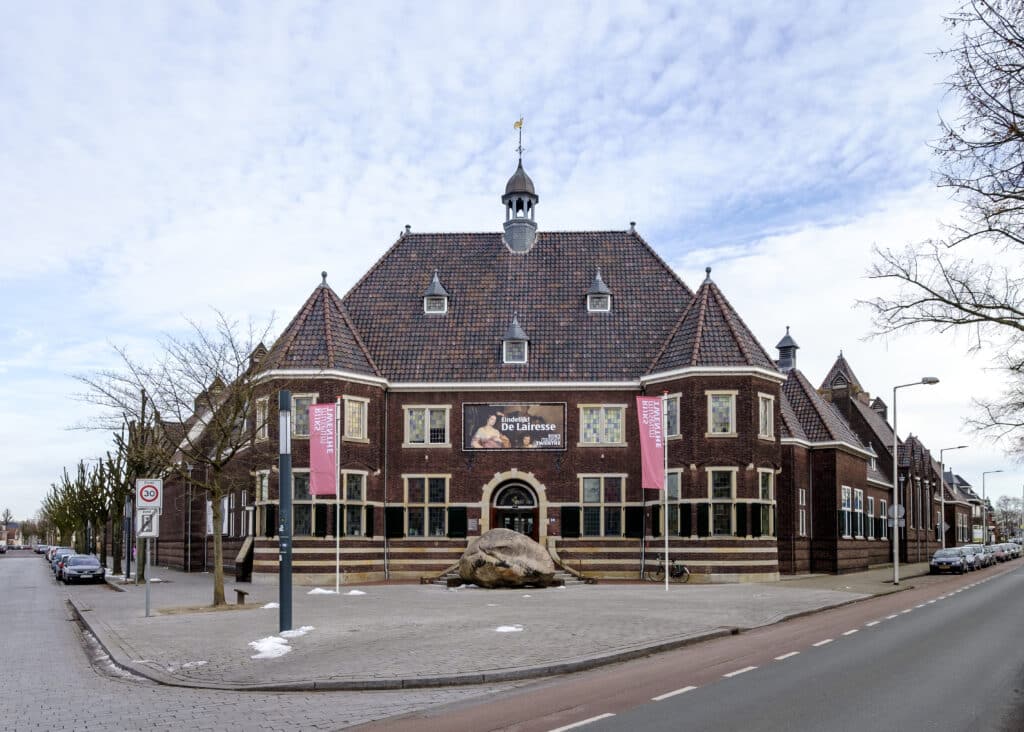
x: 240, y: 596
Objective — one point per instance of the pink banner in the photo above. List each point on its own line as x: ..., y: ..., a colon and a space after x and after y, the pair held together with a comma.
x: 652, y: 442
x: 322, y: 464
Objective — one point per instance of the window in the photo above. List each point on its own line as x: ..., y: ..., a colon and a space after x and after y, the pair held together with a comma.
x: 858, y: 512
x: 845, y: 517
x: 355, y: 418
x: 353, y: 506
x: 802, y: 497
x: 435, y: 305
x: 766, y: 524
x: 766, y: 424
x: 426, y: 426
x: 870, y: 518
x: 602, y: 425
x: 262, y: 486
x: 603, y: 496
x: 426, y: 497
x: 224, y: 513
x: 302, y: 505
x: 231, y: 515
x: 672, y: 415
x: 873, y: 460
x: 514, y: 351
x: 722, y: 492
x: 721, y: 412
x: 672, y: 498
x: 938, y: 526
x: 599, y: 303
x: 262, y: 427
x: 883, y: 510
x: 300, y: 414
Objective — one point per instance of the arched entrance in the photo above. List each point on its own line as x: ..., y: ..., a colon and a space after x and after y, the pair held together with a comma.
x: 515, y: 507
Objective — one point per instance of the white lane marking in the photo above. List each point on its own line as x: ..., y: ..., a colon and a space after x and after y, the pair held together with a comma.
x: 851, y: 632
x: 918, y: 606
x: 583, y: 722
x: 890, y: 617
x: 873, y: 623
x: 673, y: 693
x: 821, y: 643
x: 908, y: 610
x: 931, y: 602
x: 784, y: 656
x: 737, y: 673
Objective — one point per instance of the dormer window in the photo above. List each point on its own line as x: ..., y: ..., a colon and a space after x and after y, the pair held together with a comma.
x: 599, y: 297
x: 435, y: 299
x: 515, y: 346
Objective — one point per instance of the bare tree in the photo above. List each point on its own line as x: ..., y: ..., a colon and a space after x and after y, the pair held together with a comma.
x: 202, y: 412
x: 971, y: 278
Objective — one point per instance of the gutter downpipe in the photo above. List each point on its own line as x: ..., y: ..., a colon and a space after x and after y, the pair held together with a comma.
x: 384, y: 443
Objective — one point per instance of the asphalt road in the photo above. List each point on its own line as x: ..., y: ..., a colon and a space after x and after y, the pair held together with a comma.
x: 52, y: 678
x: 946, y: 655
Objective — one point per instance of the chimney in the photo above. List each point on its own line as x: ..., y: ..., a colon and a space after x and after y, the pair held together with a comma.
x: 787, y: 353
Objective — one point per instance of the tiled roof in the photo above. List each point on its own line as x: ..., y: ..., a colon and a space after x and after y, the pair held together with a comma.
x: 840, y: 368
x: 878, y: 425
x: 321, y: 336
x: 545, y: 287
x: 790, y: 424
x: 820, y: 420
x: 711, y: 333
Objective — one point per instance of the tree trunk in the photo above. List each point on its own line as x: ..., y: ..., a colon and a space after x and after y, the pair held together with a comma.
x: 218, y: 554
x: 103, y: 543
x: 116, y: 546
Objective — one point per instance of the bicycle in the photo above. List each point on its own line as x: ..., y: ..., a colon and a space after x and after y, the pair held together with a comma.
x: 677, y: 572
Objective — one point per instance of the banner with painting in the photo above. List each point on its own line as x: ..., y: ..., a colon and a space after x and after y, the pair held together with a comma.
x: 513, y: 426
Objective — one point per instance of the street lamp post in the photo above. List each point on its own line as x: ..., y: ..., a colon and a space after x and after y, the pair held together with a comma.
x: 929, y: 380
x: 984, y: 506
x: 942, y: 488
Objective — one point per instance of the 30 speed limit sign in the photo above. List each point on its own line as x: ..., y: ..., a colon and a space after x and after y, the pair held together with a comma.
x: 149, y: 494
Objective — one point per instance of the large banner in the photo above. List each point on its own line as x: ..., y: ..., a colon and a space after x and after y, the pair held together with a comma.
x: 513, y: 426
x: 652, y: 442
x: 322, y: 444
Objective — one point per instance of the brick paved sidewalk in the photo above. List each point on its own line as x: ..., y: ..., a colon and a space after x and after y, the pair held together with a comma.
x: 404, y: 635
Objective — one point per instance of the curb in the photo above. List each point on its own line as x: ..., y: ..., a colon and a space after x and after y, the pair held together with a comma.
x: 119, y: 659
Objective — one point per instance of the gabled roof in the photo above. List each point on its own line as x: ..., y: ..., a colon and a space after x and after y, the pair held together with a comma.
x: 320, y: 336
x: 488, y: 283
x: 820, y: 420
x: 878, y: 426
x: 840, y: 369
x: 711, y: 333
x: 790, y: 427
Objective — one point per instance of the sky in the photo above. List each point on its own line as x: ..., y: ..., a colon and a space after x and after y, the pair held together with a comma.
x: 160, y: 160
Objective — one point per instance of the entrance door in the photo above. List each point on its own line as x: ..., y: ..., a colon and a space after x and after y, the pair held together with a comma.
x: 515, y: 508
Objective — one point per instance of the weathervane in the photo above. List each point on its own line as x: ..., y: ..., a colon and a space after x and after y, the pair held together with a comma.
x: 519, y: 126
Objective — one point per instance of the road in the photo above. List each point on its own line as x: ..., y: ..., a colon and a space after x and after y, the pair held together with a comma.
x: 50, y: 682
x: 946, y: 655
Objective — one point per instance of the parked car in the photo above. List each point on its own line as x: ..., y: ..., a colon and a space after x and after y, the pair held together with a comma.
x: 42, y: 548
x: 1015, y: 550
x: 3, y: 548
x: 58, y: 561
x: 952, y: 559
x: 82, y: 568
x: 973, y: 559
x: 998, y: 552
x: 988, y: 554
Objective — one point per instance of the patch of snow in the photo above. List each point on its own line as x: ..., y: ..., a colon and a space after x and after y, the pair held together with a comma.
x: 321, y: 591
x: 492, y: 604
x: 155, y: 579
x: 271, y: 606
x: 509, y: 629
x: 194, y: 664
x: 298, y: 632
x: 270, y: 647
x: 527, y: 595
x: 355, y: 592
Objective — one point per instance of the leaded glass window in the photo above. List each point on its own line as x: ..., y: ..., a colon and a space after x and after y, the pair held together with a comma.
x: 602, y: 425
x: 672, y: 416
x: 426, y: 425
x: 721, y: 409
x: 300, y: 415
x: 355, y: 419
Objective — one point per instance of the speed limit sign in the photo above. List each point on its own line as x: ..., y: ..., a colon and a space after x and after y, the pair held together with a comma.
x: 149, y: 494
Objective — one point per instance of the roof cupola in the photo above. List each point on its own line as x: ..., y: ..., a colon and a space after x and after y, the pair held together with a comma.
x: 520, y: 202
x: 787, y: 352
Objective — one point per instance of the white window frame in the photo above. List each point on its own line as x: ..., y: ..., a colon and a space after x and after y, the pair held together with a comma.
x: 858, y: 513
x: 345, y: 503
x: 672, y: 402
x: 603, y: 425
x: 594, y: 299
x: 231, y: 514
x: 505, y: 354
x: 603, y: 504
x: 427, y: 408
x: 769, y: 502
x: 883, y: 509
x: 262, y: 419
x: 802, y: 502
x: 846, y: 507
x: 429, y: 299
x: 295, y: 410
x: 710, y: 396
x: 311, y: 502
x: 224, y: 513
x: 712, y: 501
x: 765, y: 409
x: 869, y: 518
x: 360, y: 434
x: 426, y: 504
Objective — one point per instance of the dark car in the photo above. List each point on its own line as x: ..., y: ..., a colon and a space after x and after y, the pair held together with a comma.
x: 58, y: 561
x: 3, y: 548
x: 82, y: 568
x: 953, y: 559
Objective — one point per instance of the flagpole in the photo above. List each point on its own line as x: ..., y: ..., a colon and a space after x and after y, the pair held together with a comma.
x: 664, y: 488
x: 337, y: 496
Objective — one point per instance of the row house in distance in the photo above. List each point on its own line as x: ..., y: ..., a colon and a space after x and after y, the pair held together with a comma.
x: 489, y: 380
